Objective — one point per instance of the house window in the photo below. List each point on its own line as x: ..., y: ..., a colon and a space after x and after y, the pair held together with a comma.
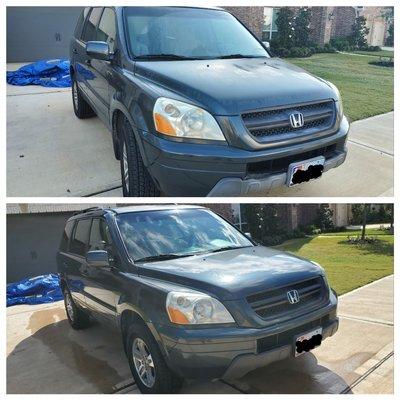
x: 269, y: 27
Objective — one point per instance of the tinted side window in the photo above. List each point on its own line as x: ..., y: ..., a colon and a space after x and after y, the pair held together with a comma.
x: 107, y: 29
x: 100, y: 238
x: 79, y: 24
x: 81, y: 237
x: 89, y: 32
x: 66, y: 236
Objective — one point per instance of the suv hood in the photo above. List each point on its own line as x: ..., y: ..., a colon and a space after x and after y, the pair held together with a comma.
x: 233, y: 274
x: 230, y: 87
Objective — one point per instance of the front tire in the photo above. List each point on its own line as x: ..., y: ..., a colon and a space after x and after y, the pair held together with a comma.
x: 147, y: 364
x: 77, y: 318
x: 136, y: 180
x: 82, y: 109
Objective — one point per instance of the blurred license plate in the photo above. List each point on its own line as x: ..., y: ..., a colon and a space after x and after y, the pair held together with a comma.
x: 308, y: 341
x: 305, y: 171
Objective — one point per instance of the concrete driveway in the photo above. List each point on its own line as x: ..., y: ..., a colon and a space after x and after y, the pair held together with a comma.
x: 52, y: 153
x: 44, y: 355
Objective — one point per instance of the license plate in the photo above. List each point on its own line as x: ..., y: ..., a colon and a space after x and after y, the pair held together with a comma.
x: 305, y: 171
x: 307, y: 342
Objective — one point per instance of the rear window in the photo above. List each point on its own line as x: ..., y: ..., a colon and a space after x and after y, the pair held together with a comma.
x: 66, y: 236
x: 81, y: 237
x: 89, y: 32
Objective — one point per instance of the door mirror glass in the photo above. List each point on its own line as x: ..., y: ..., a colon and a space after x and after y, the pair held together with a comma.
x: 98, y: 258
x: 98, y: 50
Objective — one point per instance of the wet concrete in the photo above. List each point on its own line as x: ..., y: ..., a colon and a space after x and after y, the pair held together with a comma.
x: 44, y: 355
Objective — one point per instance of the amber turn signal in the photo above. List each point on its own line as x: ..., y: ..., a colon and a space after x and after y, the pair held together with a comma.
x: 163, y: 125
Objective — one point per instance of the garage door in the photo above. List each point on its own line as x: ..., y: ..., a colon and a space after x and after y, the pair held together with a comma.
x: 35, y: 33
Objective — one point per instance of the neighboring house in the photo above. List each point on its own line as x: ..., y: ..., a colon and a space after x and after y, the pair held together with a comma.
x: 296, y: 215
x: 326, y: 22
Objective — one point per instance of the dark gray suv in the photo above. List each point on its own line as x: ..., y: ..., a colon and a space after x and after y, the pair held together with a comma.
x: 191, y: 295
x: 197, y: 106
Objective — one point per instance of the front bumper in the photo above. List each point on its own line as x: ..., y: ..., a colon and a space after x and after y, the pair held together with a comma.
x: 188, y: 169
x: 231, y: 352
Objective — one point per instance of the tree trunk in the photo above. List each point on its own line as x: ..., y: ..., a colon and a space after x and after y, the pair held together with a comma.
x: 365, y: 213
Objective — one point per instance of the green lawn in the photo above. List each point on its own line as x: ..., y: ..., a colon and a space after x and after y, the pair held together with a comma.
x: 366, y: 89
x: 381, y: 53
x: 345, y: 233
x: 347, y: 266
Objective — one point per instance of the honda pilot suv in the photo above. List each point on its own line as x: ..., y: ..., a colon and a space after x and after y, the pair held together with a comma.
x: 198, y: 107
x: 191, y: 296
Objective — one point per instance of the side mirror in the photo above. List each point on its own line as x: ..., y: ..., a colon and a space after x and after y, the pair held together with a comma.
x: 98, y: 258
x: 248, y: 234
x: 98, y: 51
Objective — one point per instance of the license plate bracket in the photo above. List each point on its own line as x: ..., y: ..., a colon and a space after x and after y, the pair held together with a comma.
x: 307, y: 341
x: 304, y: 171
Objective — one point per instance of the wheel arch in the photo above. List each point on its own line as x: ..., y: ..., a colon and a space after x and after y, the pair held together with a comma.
x: 131, y: 316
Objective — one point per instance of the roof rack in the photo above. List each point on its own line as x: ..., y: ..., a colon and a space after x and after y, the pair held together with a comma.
x: 88, y: 210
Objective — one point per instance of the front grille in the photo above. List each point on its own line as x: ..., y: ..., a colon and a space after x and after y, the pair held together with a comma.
x: 272, y: 123
x: 280, y: 165
x: 274, y: 303
x: 287, y: 337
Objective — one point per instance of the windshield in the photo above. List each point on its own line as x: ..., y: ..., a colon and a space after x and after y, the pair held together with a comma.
x: 188, y: 33
x: 151, y: 234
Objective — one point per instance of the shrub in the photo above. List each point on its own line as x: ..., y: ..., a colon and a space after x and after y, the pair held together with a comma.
x: 328, y: 48
x: 341, y: 43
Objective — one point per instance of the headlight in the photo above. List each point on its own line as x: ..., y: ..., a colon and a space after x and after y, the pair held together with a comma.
x: 178, y: 119
x: 188, y: 308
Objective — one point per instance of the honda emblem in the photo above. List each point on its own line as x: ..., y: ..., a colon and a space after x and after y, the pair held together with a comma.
x: 293, y: 296
x: 296, y: 120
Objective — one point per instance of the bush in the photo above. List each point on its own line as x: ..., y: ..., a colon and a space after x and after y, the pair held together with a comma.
x: 282, y: 52
x: 341, y: 44
x: 328, y: 48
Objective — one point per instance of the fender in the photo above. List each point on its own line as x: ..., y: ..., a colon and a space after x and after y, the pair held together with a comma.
x: 121, y: 307
x: 115, y: 106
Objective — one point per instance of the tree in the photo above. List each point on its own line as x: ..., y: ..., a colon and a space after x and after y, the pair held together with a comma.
x: 284, y: 23
x: 359, y: 32
x: 364, y: 222
x: 324, y: 218
x: 302, y: 30
x: 388, y: 16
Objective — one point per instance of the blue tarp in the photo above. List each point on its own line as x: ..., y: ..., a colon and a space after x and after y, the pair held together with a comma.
x: 37, y: 290
x: 49, y: 73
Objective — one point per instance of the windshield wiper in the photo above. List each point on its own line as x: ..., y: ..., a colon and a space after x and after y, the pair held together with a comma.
x: 163, y: 57
x: 238, y: 56
x: 228, y: 248
x: 162, y: 257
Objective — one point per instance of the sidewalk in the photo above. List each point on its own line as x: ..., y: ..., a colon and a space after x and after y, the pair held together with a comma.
x: 44, y: 355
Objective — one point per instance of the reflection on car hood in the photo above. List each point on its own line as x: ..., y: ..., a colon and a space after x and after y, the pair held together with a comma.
x: 233, y: 274
x: 229, y: 87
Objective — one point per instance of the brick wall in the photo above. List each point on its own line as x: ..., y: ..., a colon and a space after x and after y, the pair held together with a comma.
x: 252, y: 17
x: 343, y: 20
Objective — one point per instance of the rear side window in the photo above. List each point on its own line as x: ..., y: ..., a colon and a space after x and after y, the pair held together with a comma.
x: 66, y: 236
x: 107, y: 29
x: 100, y: 238
x: 89, y: 32
x: 81, y: 237
x: 79, y: 24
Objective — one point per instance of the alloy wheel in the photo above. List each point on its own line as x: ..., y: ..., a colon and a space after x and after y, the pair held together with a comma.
x: 75, y: 94
x: 69, y: 306
x: 143, y: 362
x: 125, y: 167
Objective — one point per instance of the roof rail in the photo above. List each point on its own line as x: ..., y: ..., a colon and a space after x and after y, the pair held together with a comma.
x: 88, y: 210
